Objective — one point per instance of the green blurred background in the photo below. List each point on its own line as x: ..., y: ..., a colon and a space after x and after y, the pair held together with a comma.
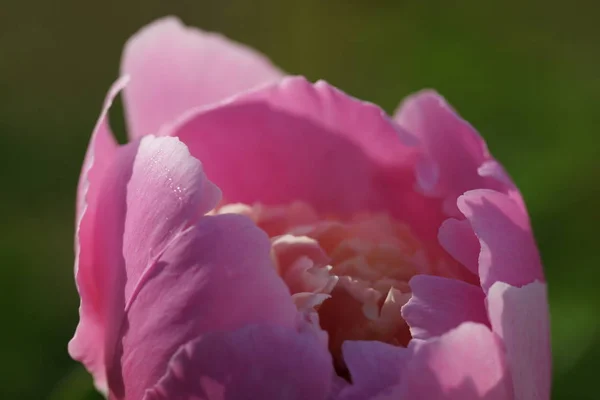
x: 526, y: 74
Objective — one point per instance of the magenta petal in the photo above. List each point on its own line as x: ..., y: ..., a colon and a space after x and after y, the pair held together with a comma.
x: 520, y: 317
x: 174, y: 68
x: 440, y: 304
x: 87, y: 344
x: 214, y: 276
x: 452, y: 150
x: 508, y: 250
x: 374, y: 366
x: 467, y: 363
x: 254, y: 362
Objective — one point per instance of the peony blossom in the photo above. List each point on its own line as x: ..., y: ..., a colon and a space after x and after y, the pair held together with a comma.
x: 265, y: 237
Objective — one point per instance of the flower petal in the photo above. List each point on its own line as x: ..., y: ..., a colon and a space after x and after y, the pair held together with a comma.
x: 341, y: 154
x: 167, y: 193
x: 174, y: 68
x: 214, y: 276
x: 440, y: 304
x: 508, y: 250
x: 459, y: 240
x: 312, y: 135
x: 87, y: 343
x: 254, y: 362
x: 452, y: 149
x: 520, y: 317
x: 467, y: 363
x: 99, y: 154
x: 374, y: 366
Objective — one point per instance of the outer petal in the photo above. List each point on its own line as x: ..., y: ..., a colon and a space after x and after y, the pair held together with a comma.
x: 452, y: 151
x: 175, y: 68
x: 343, y: 155
x: 520, y: 317
x: 508, y: 250
x: 440, y: 304
x: 87, y: 344
x: 255, y: 362
x: 168, y: 193
x: 214, y: 276
x: 99, y: 155
x: 374, y: 366
x: 464, y: 364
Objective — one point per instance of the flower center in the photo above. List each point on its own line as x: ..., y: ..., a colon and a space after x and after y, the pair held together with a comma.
x: 350, y: 276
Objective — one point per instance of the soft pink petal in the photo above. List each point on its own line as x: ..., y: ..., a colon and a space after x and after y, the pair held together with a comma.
x: 520, y: 317
x: 168, y: 192
x: 255, y: 362
x: 452, y: 151
x: 99, y: 154
x: 144, y: 304
x: 467, y: 363
x: 508, y: 250
x: 174, y: 68
x: 109, y: 272
x: 374, y: 366
x: 322, y: 140
x: 439, y: 304
x: 459, y: 240
x: 214, y: 276
x: 341, y: 154
x: 87, y: 344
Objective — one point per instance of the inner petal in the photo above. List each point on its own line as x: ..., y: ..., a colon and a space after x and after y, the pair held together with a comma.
x: 350, y: 276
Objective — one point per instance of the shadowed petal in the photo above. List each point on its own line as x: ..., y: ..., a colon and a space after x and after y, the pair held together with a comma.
x: 255, y: 362
x: 508, y: 250
x: 374, y: 366
x: 440, y: 304
x: 459, y: 240
x: 174, y: 68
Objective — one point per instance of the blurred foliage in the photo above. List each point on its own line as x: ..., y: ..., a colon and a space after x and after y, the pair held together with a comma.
x: 524, y: 73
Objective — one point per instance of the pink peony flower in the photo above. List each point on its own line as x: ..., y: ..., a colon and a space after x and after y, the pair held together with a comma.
x: 264, y: 237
